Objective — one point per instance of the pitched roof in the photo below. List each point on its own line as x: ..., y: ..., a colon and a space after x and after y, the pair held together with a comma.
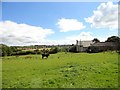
x: 105, y: 44
x: 85, y: 43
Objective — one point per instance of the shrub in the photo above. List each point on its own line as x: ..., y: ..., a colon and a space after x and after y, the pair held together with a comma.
x: 37, y: 51
x: 6, y: 51
x: 73, y: 49
x: 53, y: 50
x: 24, y: 53
x: 92, y: 49
x: 64, y: 49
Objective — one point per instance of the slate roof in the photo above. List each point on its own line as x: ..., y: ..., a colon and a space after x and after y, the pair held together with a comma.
x: 105, y: 44
x: 85, y: 43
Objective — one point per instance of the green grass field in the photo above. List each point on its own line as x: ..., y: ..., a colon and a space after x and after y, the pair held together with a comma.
x: 71, y: 70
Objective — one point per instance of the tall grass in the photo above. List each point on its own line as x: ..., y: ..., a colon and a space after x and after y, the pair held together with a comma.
x: 71, y: 70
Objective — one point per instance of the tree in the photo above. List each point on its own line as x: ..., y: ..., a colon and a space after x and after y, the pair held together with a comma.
x: 92, y: 49
x: 95, y: 40
x: 6, y: 51
x: 113, y: 39
x: 14, y: 49
x: 53, y: 50
x: 64, y: 49
x: 73, y: 49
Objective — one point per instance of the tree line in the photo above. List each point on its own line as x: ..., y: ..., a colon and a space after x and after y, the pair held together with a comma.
x: 13, y: 50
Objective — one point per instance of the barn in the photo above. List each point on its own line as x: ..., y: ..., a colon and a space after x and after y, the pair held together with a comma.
x: 104, y: 46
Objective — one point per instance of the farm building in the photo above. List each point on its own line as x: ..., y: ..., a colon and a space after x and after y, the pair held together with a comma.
x: 104, y: 46
x: 81, y: 46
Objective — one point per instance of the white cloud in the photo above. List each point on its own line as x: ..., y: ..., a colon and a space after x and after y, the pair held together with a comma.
x: 82, y: 36
x: 85, y: 36
x: 13, y: 33
x: 66, y: 25
x: 66, y: 40
x: 106, y: 16
x: 70, y: 39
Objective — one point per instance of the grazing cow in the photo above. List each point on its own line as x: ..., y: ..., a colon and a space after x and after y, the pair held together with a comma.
x: 45, y: 55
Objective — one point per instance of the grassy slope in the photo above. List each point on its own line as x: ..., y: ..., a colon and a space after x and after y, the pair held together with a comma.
x: 71, y: 70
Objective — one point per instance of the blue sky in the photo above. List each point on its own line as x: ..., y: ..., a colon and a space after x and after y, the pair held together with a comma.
x: 58, y: 18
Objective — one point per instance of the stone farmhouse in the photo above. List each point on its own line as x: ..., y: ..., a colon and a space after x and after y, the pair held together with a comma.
x: 81, y: 46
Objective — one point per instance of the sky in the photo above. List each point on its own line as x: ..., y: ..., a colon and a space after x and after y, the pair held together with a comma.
x: 53, y: 23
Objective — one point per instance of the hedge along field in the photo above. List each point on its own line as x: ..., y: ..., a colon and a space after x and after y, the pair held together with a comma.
x: 71, y: 70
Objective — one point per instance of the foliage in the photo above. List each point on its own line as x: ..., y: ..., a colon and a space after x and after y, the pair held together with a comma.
x: 92, y: 49
x: 73, y: 49
x: 71, y: 70
x: 64, y: 49
x: 12, y: 50
x: 6, y: 51
x: 53, y: 50
x: 45, y: 51
x: 95, y: 40
x: 37, y: 51
x: 113, y: 39
x: 27, y: 52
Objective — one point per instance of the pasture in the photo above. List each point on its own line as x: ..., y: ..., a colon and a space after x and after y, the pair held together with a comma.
x: 71, y: 70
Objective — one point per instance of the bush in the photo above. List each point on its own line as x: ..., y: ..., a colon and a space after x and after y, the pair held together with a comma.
x: 53, y: 50
x: 73, y: 49
x: 14, y: 49
x: 6, y: 51
x: 64, y: 49
x: 26, y: 52
x: 37, y: 51
x: 92, y: 49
